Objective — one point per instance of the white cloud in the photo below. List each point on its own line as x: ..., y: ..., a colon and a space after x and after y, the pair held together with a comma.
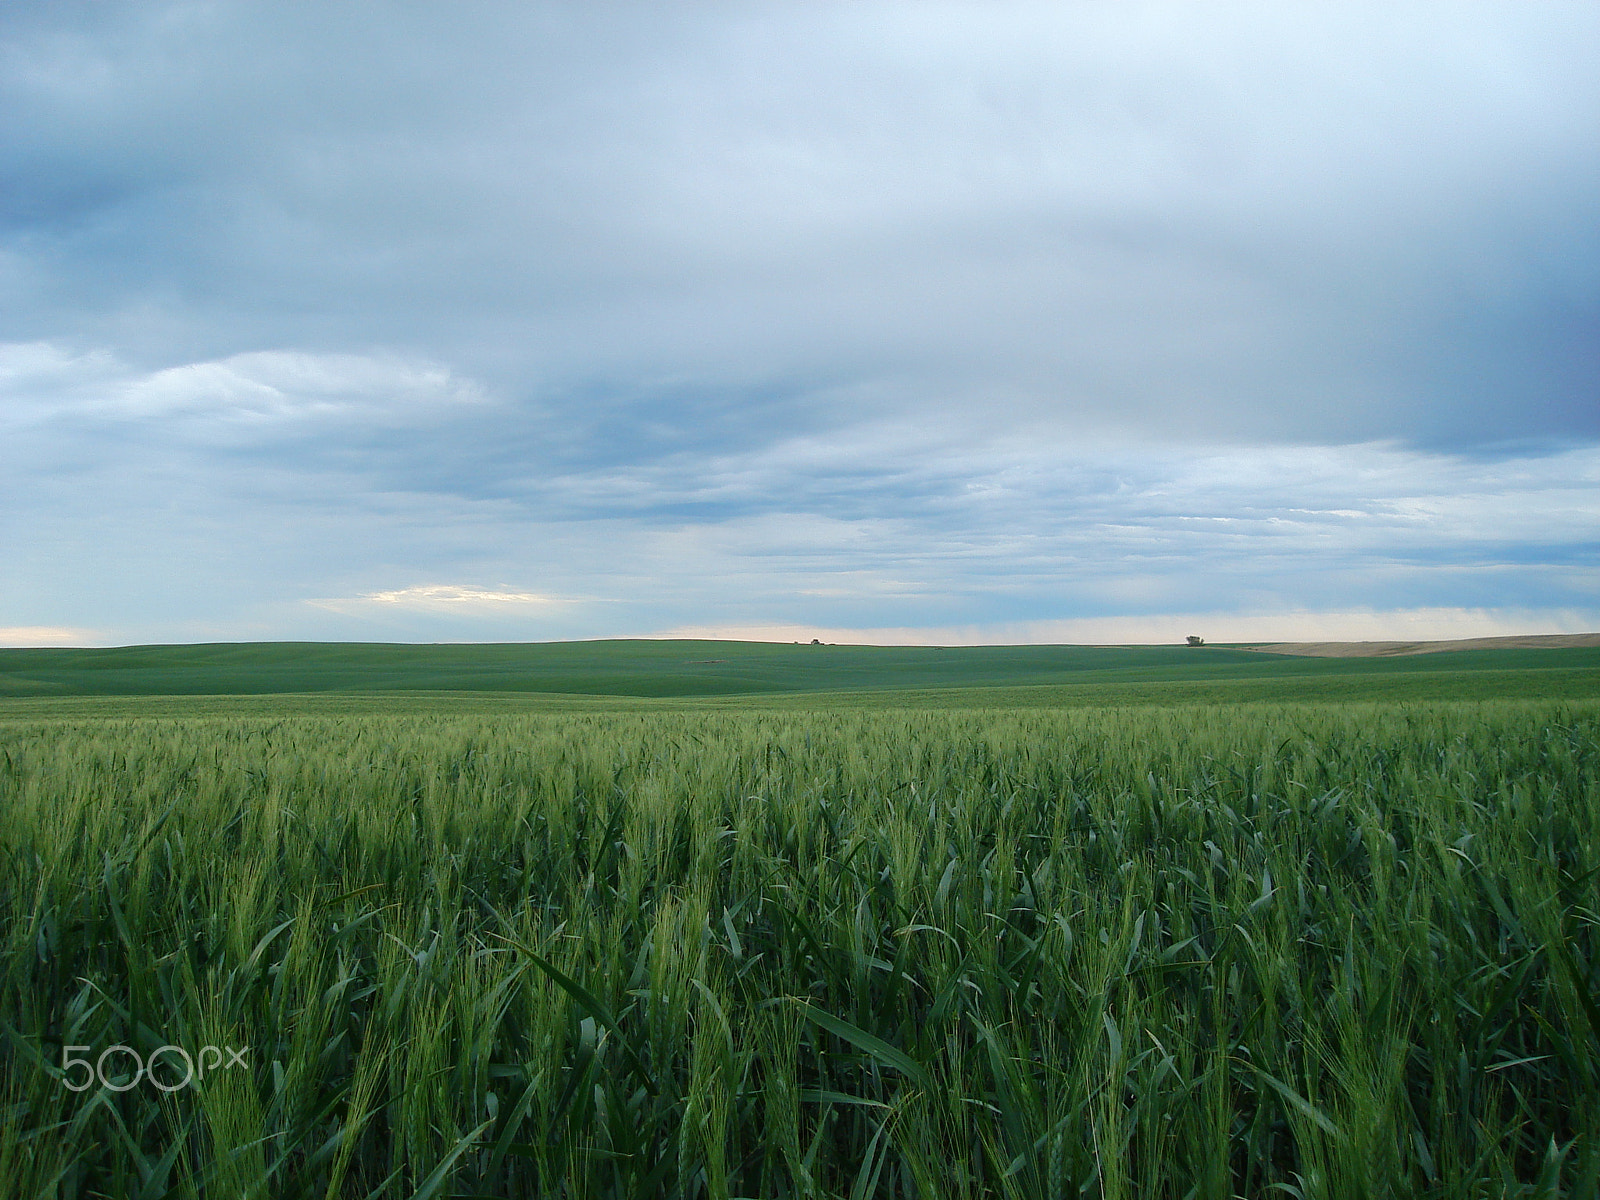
x: 23, y: 363
x: 44, y: 381
x: 453, y: 594
x: 275, y: 385
x: 441, y: 598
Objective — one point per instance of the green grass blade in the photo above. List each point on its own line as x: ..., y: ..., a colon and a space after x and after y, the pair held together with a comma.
x: 875, y: 1046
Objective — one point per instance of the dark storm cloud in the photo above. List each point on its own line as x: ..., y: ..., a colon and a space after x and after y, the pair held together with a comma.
x: 955, y: 300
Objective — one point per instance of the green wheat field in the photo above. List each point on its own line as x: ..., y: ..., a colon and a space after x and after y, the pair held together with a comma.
x: 619, y: 921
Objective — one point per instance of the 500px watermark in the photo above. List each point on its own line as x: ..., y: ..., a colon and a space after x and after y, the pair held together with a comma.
x: 193, y: 1068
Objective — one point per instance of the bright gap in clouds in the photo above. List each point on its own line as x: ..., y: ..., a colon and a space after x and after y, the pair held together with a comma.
x: 438, y: 597
x: 29, y: 636
x: 1423, y: 624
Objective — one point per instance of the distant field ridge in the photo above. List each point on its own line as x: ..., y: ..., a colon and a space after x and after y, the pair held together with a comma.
x: 1537, y: 641
x: 1547, y: 667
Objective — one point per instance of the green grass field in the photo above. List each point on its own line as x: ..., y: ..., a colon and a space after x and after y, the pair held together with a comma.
x: 1117, y: 923
x: 706, y: 669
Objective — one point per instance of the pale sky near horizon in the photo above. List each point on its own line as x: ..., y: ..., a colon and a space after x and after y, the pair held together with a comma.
x: 900, y: 322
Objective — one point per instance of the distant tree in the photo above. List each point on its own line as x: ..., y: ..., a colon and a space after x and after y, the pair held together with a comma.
x: 1196, y: 641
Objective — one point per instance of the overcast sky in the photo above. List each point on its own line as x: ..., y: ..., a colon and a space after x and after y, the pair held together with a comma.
x: 946, y: 322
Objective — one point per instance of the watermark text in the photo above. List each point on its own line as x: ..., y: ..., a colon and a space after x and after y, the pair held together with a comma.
x: 178, y: 1068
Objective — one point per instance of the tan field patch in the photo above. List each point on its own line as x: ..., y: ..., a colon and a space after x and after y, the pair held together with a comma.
x: 1538, y: 641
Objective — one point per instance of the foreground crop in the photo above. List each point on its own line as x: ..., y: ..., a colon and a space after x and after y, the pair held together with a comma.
x: 1323, y: 951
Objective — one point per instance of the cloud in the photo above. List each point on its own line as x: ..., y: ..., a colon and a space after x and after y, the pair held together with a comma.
x: 874, y: 525
x: 45, y: 381
x: 1370, y: 222
x: 843, y: 316
x: 452, y: 598
x: 47, y: 635
x: 279, y: 385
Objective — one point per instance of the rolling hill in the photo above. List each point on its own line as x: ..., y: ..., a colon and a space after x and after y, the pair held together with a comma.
x: 650, y: 668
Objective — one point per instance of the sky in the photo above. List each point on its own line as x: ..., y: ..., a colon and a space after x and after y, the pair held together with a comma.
x: 906, y: 323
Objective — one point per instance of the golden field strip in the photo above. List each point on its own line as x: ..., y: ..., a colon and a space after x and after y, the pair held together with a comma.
x: 1298, y: 949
